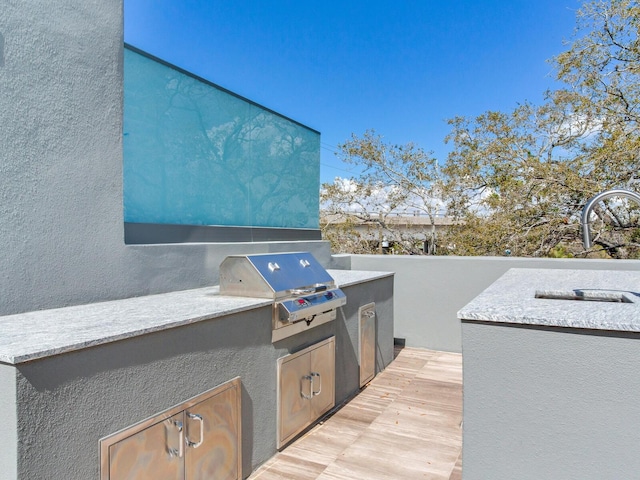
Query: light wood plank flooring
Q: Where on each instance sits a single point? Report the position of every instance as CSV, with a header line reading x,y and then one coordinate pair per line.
x,y
406,424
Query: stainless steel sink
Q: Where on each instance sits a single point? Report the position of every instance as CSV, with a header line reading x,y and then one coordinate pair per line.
x,y
612,296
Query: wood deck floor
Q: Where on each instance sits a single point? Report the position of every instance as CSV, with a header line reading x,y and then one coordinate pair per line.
x,y
404,425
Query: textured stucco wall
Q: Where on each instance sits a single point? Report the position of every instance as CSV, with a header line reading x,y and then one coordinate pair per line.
x,y
60,149
347,333
61,74
429,291
9,410
549,403
67,402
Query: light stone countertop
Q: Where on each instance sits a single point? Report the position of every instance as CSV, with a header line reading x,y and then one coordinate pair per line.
x,y
346,278
38,334
512,299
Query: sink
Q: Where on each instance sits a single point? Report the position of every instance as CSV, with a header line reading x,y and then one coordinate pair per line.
x,y
611,296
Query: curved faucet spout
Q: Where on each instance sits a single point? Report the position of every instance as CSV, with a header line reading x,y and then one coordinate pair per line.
x,y
586,211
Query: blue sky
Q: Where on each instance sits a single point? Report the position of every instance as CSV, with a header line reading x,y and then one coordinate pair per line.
x,y
402,68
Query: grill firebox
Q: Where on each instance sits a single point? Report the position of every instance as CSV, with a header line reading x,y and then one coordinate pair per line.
x,y
303,292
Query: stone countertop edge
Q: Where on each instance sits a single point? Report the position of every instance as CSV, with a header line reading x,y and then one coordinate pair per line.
x,y
43,333
346,278
512,299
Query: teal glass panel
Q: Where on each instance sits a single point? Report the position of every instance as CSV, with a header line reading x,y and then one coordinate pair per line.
x,y
195,154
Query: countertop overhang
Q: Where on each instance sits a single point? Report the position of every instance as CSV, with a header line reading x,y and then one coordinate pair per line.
x,y
43,333
512,299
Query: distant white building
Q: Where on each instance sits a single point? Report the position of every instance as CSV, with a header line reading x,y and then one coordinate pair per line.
x,y
384,231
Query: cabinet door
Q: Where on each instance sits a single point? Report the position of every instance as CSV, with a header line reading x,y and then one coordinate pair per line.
x,y
155,452
323,368
367,343
212,434
294,395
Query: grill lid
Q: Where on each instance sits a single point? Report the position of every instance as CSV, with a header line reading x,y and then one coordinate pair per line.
x,y
304,294
273,275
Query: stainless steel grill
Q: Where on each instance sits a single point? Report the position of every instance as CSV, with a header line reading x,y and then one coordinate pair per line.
x,y
304,293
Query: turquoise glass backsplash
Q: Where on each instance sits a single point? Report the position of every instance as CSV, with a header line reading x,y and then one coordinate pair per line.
x,y
195,154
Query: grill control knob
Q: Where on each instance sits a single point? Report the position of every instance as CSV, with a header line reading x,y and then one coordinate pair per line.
x,y
328,295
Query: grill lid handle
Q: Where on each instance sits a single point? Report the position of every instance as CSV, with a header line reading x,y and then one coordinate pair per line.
x,y
305,291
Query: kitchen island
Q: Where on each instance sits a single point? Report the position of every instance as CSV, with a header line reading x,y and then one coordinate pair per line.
x,y
550,361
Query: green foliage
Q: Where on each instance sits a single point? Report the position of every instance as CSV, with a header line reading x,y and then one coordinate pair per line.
x,y
522,178
560,251
395,179
517,181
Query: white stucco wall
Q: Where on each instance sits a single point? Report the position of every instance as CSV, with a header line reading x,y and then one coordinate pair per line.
x,y
429,291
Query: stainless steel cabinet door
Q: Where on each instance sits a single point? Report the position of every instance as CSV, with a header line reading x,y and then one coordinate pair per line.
x,y
294,395
200,438
155,452
306,388
212,434
323,361
367,315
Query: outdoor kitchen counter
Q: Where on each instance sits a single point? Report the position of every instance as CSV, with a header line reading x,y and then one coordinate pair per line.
x,y
512,299
39,334
550,384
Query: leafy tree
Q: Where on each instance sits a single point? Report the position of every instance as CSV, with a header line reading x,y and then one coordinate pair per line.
x,y
517,181
395,180
520,179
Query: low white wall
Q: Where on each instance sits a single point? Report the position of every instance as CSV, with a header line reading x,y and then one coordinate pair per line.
x,y
429,291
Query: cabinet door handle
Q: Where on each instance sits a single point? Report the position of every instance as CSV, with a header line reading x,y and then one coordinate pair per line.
x,y
304,395
198,418
180,450
313,392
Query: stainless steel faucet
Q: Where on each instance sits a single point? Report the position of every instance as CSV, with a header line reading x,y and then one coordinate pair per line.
x,y
586,211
